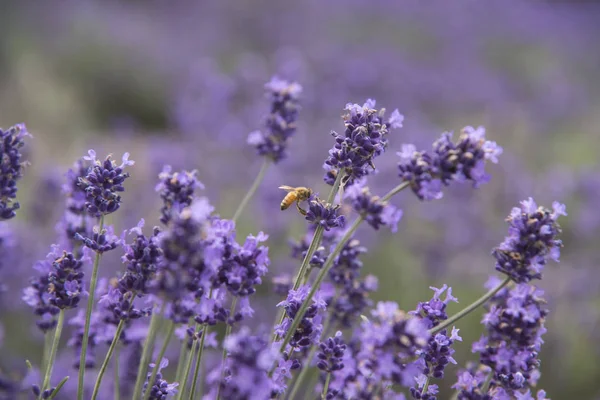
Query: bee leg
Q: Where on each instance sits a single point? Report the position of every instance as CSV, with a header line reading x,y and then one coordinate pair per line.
x,y
300,209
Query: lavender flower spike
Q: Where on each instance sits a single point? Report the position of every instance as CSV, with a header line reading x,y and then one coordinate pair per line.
x,y
462,161
102,183
11,168
280,124
176,189
375,211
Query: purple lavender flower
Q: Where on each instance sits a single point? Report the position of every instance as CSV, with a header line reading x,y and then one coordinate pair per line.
x,y
249,359
531,242
448,162
280,124
176,189
100,241
141,259
365,138
102,183
331,353
65,281
375,211
325,215
160,389
434,311
11,167
37,294
515,325
282,284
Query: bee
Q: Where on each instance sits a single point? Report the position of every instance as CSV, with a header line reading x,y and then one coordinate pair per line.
x,y
295,194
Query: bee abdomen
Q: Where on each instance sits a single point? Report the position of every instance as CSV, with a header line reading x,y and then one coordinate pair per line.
x,y
288,200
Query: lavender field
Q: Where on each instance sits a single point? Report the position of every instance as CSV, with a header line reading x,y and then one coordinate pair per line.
x,y
443,244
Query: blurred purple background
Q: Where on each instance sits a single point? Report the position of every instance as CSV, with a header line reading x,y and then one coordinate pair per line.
x,y
181,83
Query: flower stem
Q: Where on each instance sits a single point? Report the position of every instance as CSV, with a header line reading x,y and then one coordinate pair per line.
x,y
486,383
314,245
188,366
227,333
58,387
109,354
326,386
117,377
257,181
322,274
53,350
198,358
47,347
470,308
325,270
88,318
181,361
425,386
161,354
147,352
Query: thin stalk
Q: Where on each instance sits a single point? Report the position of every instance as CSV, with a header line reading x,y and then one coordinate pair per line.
x,y
117,377
257,181
227,333
147,352
161,354
188,366
486,384
470,308
425,386
53,350
322,274
313,246
198,358
47,347
311,354
58,387
326,387
181,360
325,270
88,318
109,354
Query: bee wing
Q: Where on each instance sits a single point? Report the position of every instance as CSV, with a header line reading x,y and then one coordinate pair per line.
x,y
287,188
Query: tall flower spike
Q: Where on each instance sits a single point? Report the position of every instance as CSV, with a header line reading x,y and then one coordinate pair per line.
x,y
280,124
66,281
102,183
176,189
462,161
532,240
160,389
364,138
11,168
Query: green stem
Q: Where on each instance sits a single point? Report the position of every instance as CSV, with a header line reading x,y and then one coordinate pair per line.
x,y
117,377
326,387
313,246
198,358
147,352
257,181
158,360
53,350
325,270
227,333
109,354
47,347
470,308
88,318
188,367
58,387
425,386
322,274
181,360
486,384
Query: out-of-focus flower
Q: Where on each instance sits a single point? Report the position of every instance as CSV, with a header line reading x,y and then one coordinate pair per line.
x,y
160,389
102,183
280,124
375,211
11,168
364,138
532,240
447,162
331,353
176,189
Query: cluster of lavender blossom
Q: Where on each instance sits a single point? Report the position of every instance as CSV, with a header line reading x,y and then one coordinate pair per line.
x,y
190,280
